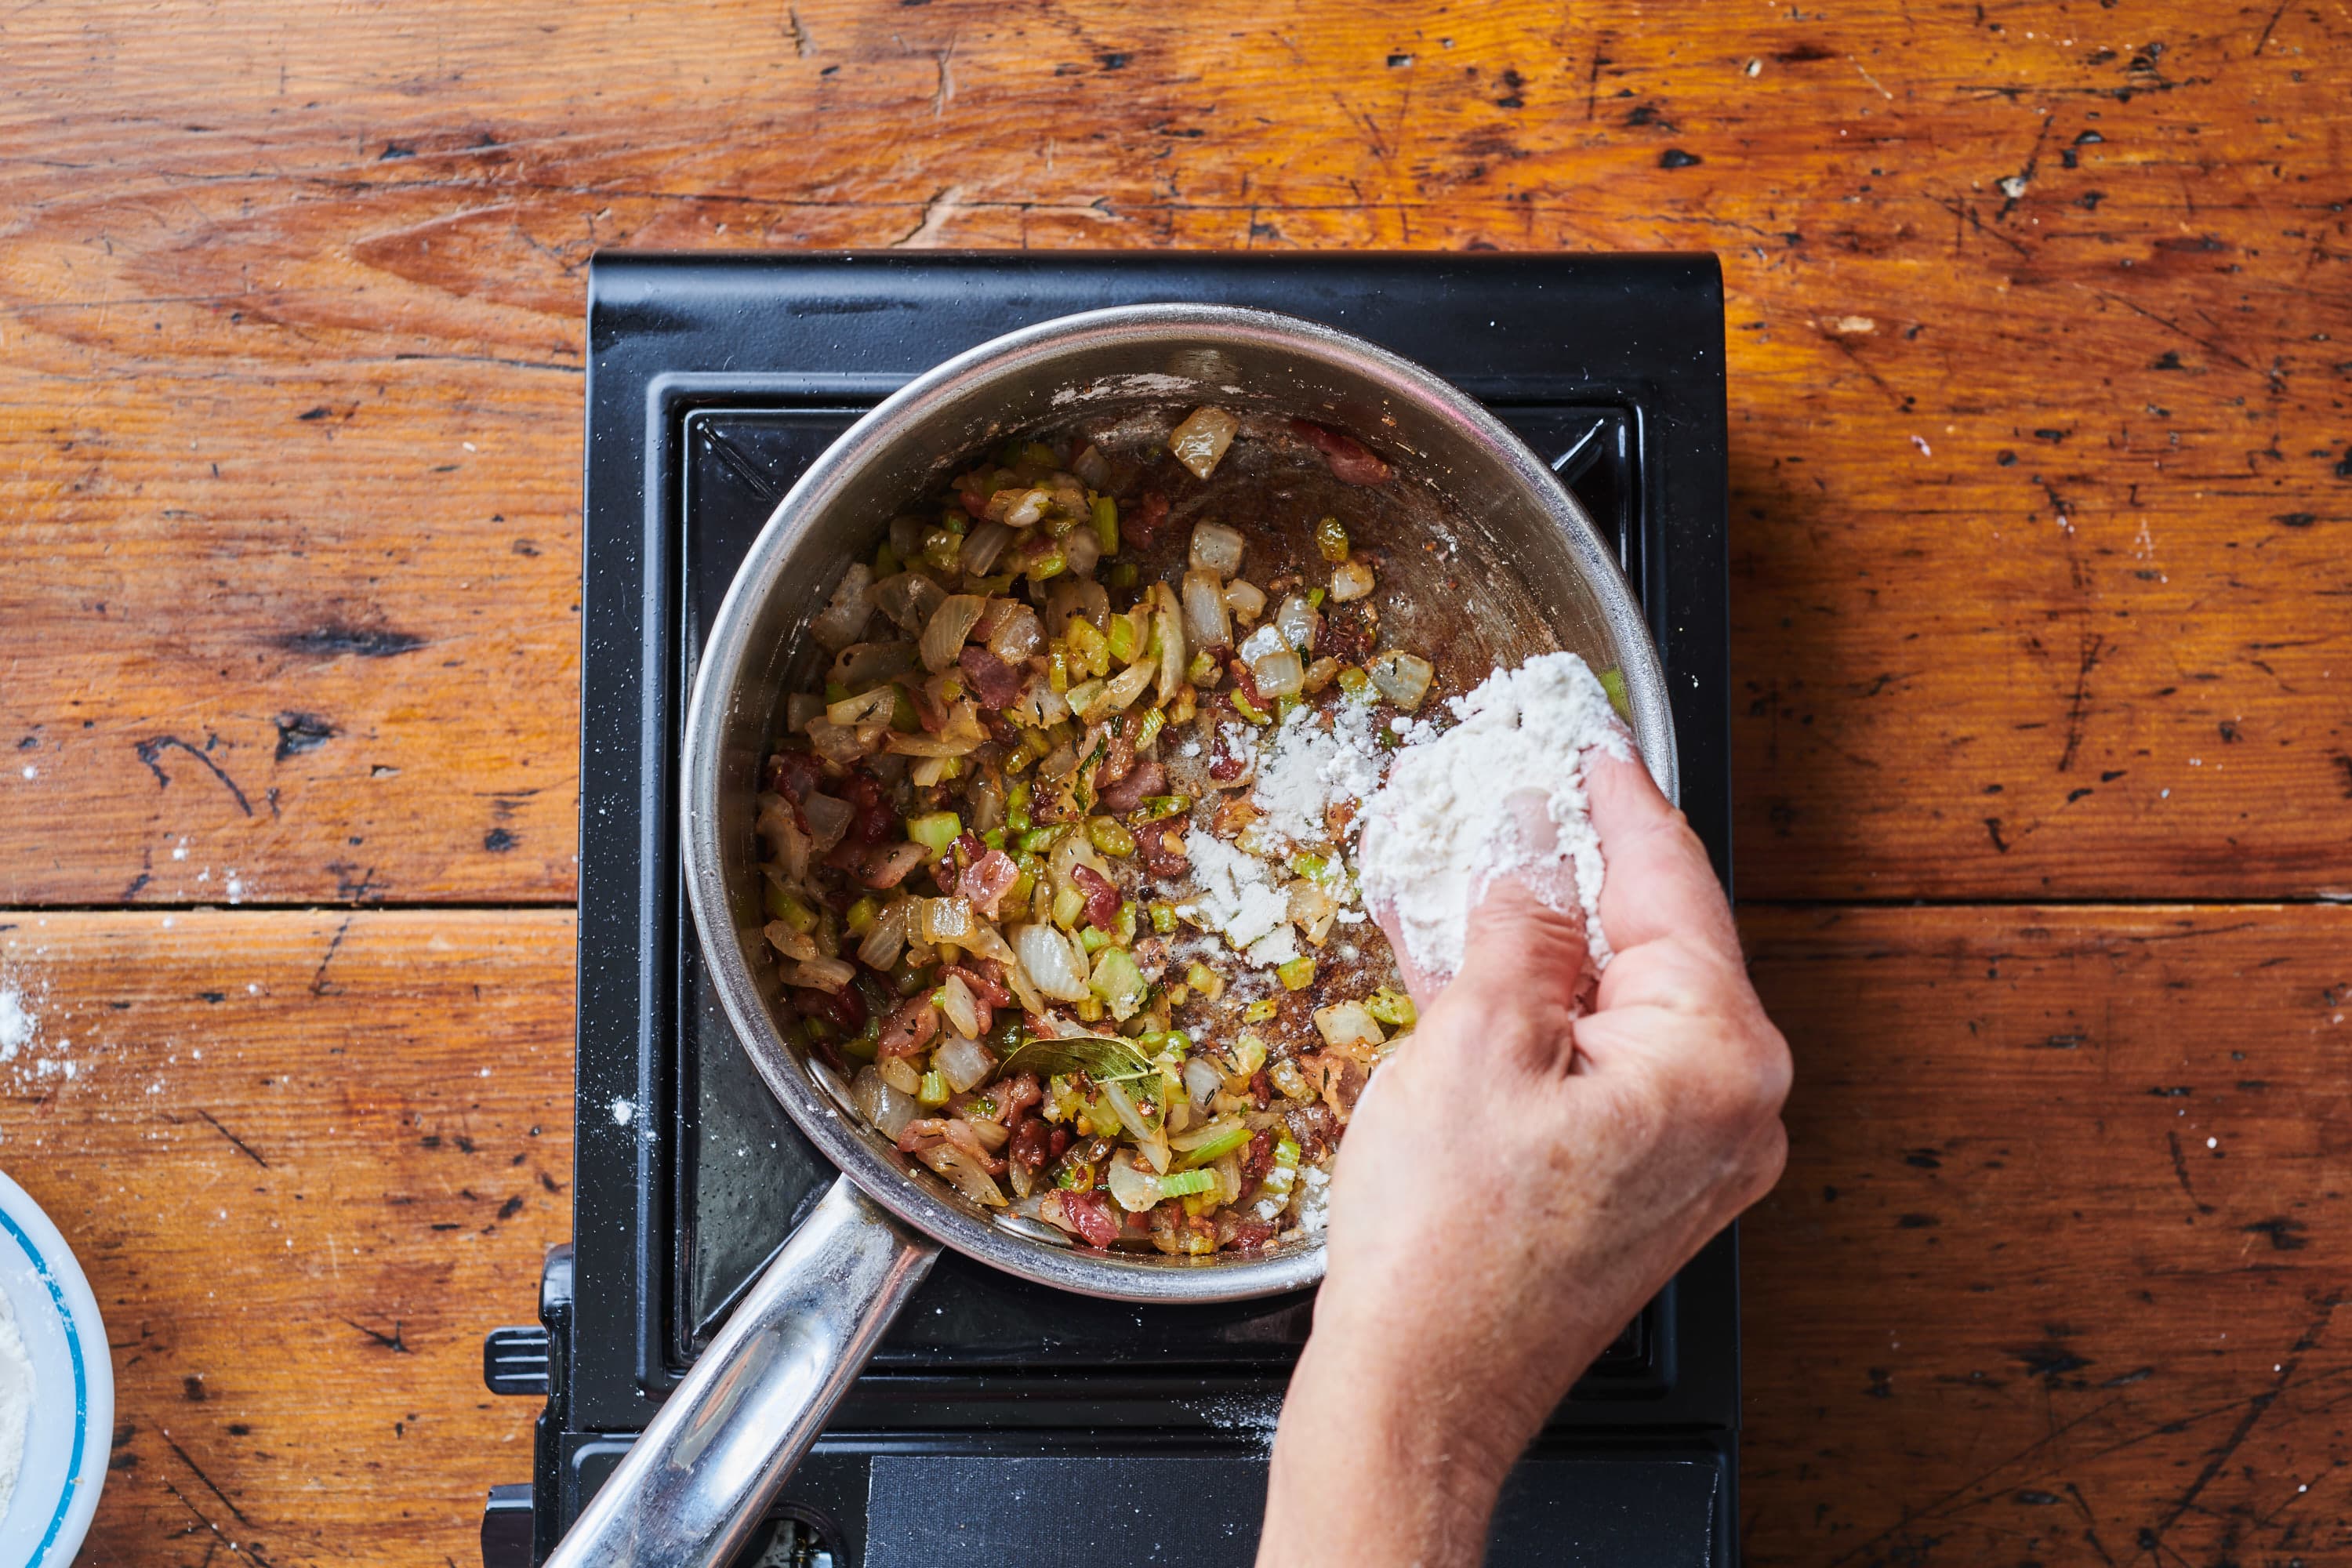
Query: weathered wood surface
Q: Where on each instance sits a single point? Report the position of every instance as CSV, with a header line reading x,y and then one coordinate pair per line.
x,y
2055,1271
305,1160
2042,466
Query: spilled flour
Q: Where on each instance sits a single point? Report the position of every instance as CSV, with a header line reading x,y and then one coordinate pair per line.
x,y
1440,829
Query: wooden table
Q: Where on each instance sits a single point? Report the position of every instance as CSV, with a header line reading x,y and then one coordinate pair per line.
x,y
2041,352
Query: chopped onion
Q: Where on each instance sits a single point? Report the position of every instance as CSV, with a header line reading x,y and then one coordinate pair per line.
x,y
985,943
869,663
1023,1184
945,920
982,545
1205,624
899,1073
1229,1178
873,707
887,938
1076,596
962,734
1346,1024
950,624
1133,1188
788,942
1297,621
1216,550
1016,635
789,846
827,816
1081,550
879,1103
1245,599
845,613
1403,678
1092,466
963,1168
1018,507
1125,688
819,973
908,598
907,536
844,743
1200,442
991,1136
962,1010
964,1062
1313,909
1350,580
1200,1081
1150,1137
1054,967
1278,673
1267,640
1167,620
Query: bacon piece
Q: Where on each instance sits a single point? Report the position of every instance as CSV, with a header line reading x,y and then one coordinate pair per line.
x,y
1352,463
985,987
1144,520
1261,1087
793,775
959,1134
997,683
1317,1130
1246,681
1249,1235
1144,779
887,866
876,823
1102,899
845,1008
929,712
912,1026
986,880
1224,763
1032,1142
1162,850
1259,1158
1090,1214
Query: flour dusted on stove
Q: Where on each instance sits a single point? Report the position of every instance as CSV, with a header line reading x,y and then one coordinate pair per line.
x,y
1440,829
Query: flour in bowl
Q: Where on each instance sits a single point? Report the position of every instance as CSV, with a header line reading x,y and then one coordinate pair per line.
x,y
1440,829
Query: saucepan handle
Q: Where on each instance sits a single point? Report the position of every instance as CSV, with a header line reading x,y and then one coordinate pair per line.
x,y
697,1483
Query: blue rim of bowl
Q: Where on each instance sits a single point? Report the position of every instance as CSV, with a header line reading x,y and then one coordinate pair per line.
x,y
81,1390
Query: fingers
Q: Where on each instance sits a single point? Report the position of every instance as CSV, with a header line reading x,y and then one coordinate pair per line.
x,y
1658,882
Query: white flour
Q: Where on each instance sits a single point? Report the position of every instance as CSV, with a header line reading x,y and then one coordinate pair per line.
x,y
1238,896
1441,829
16,1401
1308,767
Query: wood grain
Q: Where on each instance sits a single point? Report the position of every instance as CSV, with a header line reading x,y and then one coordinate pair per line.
x,y
2042,453
306,1161
2055,1271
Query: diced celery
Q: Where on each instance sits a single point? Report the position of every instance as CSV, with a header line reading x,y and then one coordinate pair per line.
x,y
1119,981
1123,575
1107,835
1089,1010
1068,905
1296,975
885,562
941,548
1259,1011
1148,730
1283,707
1249,710
934,1090
1356,683
1315,598
994,837
1127,918
789,907
935,830
834,691
1057,666
1391,1007
1177,1183
1285,1152
862,914
1038,840
1310,867
1163,917
1050,564
1331,539
861,1046
1122,641
1203,671
1093,938
1612,681
1215,1148
1106,513
1088,647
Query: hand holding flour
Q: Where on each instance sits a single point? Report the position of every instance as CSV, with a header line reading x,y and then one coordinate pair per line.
x,y
1518,1180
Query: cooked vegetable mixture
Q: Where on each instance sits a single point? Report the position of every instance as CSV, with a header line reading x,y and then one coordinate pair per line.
x,y
1057,860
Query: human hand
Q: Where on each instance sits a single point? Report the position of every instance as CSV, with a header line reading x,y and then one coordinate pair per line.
x,y
1515,1183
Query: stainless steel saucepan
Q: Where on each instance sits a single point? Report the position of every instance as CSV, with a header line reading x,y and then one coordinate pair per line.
x,y
1509,566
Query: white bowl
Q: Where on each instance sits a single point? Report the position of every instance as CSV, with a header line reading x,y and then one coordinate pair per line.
x,y
71,1425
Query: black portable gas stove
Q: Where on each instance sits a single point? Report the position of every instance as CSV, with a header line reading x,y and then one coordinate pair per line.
x,y
1002,1422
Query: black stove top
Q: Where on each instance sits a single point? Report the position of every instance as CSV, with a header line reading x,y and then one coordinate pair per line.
x,y
713,382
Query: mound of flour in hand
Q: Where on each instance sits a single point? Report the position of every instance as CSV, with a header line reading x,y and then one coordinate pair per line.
x,y
1442,828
